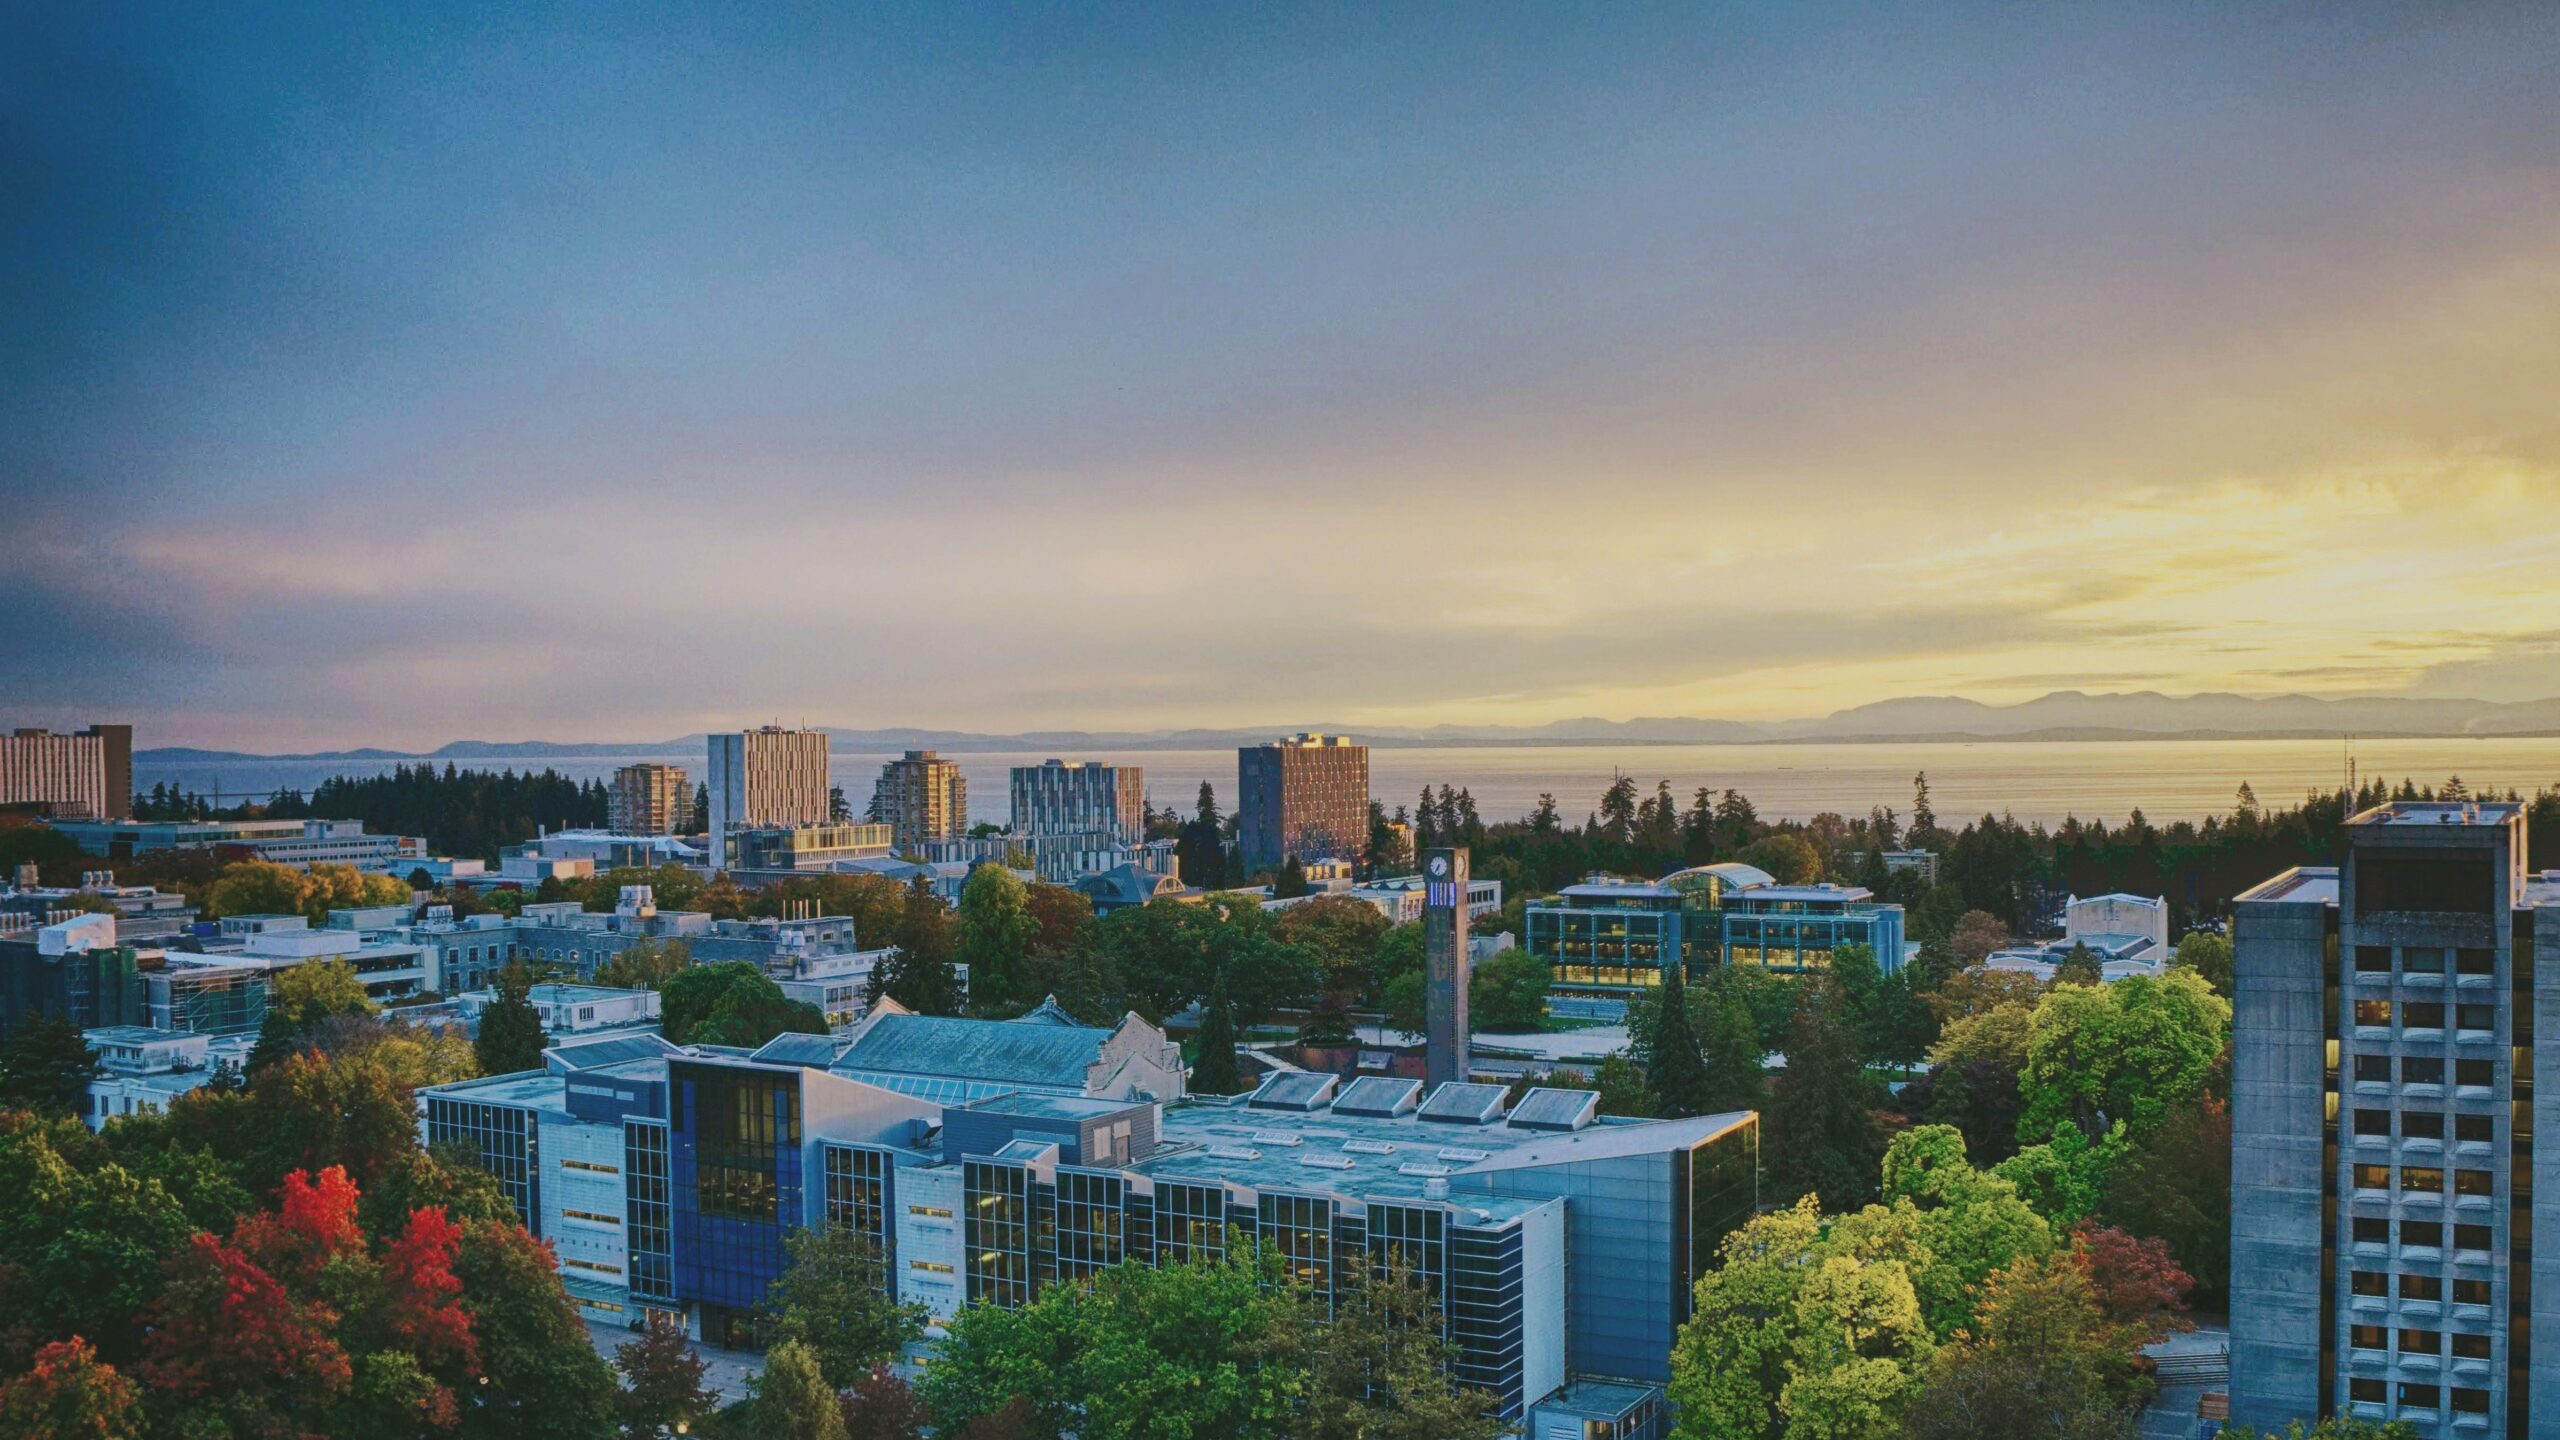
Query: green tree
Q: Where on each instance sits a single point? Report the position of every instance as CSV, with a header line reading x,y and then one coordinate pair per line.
x,y
1211,1347
645,965
2209,955
2336,1427
835,1296
1732,1359
543,1377
792,1398
2079,967
314,990
1379,1369
995,933
511,1038
1509,992
46,1066
920,976
732,1003
1669,1048
1215,1072
2036,1364
1821,1109
2130,1051
1729,1046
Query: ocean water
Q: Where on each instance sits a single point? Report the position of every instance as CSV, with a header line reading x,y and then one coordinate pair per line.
x,y
2034,781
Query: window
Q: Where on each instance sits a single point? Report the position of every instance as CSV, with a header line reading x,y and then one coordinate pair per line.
x,y
591,1165
592,1218
2373,1012
2369,1282
591,1265
2373,1177
2367,1391
2422,960
2373,1122
2373,959
930,1267
2421,1342
2469,1347
2391,879
2421,1287
936,1212
2422,1125
2414,1396
2469,961
2475,1072
2421,1233
2366,1337
2419,1179
2422,1015
2373,1068
2475,1017
2470,1292
2421,1070
2470,1402
2372,1230
2475,1128
2471,1237
2474,1182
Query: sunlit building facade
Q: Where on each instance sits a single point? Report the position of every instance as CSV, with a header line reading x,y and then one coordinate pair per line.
x,y
1304,798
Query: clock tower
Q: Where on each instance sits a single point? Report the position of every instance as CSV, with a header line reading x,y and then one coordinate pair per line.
x,y
1444,966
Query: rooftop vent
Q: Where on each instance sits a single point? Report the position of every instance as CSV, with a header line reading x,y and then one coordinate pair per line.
x,y
1554,1108
1458,1103
1326,1162
1233,1152
1276,1137
1421,1167
1299,1090
1379,1096
1368,1147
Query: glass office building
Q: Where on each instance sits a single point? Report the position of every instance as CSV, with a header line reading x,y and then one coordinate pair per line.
x,y
1797,927
1609,934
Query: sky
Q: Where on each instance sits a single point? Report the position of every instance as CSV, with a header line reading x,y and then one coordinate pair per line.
x,y
395,375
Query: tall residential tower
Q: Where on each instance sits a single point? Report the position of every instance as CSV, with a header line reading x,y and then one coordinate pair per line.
x,y
2385,1096
1304,798
765,777
85,776
1059,797
921,797
649,799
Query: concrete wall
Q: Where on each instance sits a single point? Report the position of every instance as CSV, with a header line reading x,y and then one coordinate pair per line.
x,y
2277,1103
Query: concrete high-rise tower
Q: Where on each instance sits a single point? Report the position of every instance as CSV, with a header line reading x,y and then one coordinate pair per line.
x,y
765,777
1444,967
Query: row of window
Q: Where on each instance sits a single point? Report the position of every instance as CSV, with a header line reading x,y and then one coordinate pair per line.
x,y
2425,960
2419,1342
2425,1070
2426,1180
2422,1234
2376,1284
2427,1015
2365,1390
2425,1125
591,1217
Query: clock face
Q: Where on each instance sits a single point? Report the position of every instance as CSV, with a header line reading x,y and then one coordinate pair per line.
x,y
1439,864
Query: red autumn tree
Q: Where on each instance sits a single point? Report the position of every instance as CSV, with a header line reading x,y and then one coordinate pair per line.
x,y
426,1297
226,1337
2133,1279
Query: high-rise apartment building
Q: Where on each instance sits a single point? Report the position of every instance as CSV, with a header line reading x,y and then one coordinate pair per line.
x,y
921,797
2385,1095
1305,797
765,777
1058,797
82,776
649,799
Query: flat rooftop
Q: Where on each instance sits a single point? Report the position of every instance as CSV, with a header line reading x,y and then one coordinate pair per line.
x,y
2302,885
1390,1157
2440,812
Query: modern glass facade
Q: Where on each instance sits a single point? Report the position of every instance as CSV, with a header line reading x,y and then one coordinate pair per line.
x,y
735,1171
1797,927
1614,937
1093,1216
647,1208
998,1231
505,1141
857,1182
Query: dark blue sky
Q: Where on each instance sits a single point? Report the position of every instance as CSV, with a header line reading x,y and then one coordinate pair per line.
x,y
382,376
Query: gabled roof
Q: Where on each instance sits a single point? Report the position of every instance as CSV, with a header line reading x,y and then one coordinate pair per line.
x,y
1047,1012
1038,1053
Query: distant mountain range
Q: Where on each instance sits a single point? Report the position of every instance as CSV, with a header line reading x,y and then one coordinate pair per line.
x,y
2063,715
